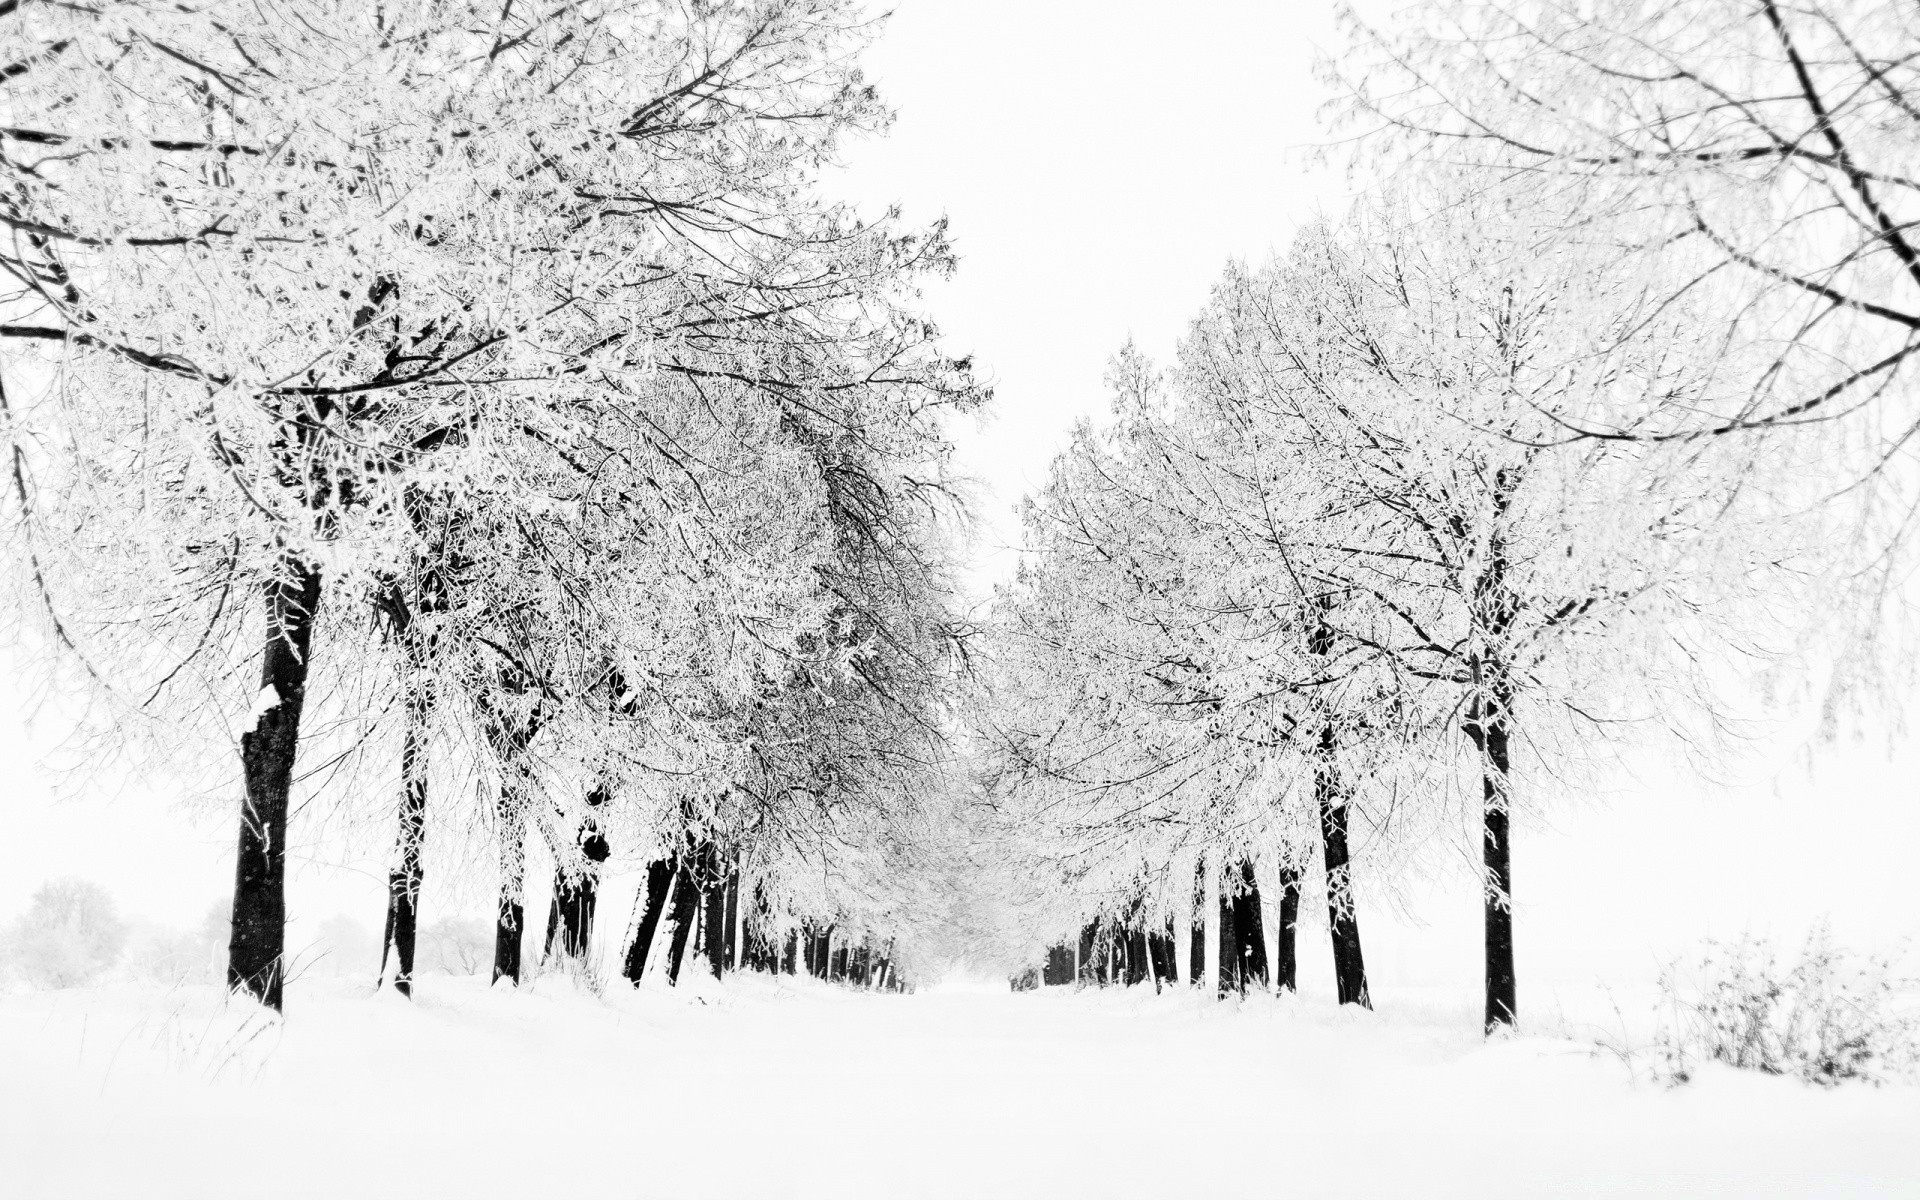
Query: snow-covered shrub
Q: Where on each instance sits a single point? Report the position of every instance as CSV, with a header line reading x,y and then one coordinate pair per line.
x,y
1829,1017
67,937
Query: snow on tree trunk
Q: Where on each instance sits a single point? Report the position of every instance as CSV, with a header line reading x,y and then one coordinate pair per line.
x,y
509,912
1250,965
256,947
733,919
654,900
1343,920
1211,981
1502,1006
576,894
1284,934
403,882
1182,949
686,903
714,923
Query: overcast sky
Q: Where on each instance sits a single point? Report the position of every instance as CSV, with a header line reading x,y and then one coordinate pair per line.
x,y
1100,163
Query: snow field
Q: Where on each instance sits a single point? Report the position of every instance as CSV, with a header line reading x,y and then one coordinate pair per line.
x,y
789,1089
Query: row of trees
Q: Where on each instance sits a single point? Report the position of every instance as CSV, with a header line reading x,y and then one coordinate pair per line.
x,y
476,415
1600,390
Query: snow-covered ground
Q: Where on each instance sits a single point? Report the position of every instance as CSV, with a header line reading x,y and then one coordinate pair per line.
x,y
794,1089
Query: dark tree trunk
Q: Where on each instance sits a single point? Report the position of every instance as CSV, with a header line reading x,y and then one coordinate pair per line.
x,y
1284,971
732,949
1160,953
258,942
570,919
822,950
1349,968
1059,971
1249,931
714,921
1137,956
1502,998
1088,972
403,882
686,904
509,914
837,965
791,965
659,885
1229,940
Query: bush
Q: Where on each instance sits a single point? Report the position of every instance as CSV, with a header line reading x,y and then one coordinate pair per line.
x,y
69,936
1829,1017
457,946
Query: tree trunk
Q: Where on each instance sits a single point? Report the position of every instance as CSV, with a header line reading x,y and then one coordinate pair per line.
x,y
820,946
686,902
1349,968
1137,956
1284,970
1249,934
257,945
714,923
1502,998
1059,970
1210,979
570,919
659,886
1181,952
733,919
1161,956
403,882
509,914
1229,942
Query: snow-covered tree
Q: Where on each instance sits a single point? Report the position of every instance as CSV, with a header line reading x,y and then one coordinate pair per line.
x,y
519,328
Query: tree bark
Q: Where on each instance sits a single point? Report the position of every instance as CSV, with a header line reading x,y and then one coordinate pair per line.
x,y
714,922
509,913
1229,943
1161,955
659,886
733,918
1343,919
1496,783
1059,970
1250,938
686,903
1138,956
403,882
575,897
1210,978
1284,971
256,948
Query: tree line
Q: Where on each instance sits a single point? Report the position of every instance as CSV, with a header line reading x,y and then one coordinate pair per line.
x,y
476,413
1598,395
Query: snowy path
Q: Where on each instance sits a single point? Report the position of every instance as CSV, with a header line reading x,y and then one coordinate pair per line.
x,y
784,1091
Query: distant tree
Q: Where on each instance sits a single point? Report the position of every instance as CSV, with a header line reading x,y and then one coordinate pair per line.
x,y
68,936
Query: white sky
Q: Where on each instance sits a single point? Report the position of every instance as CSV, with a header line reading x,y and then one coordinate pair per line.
x,y
1100,163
